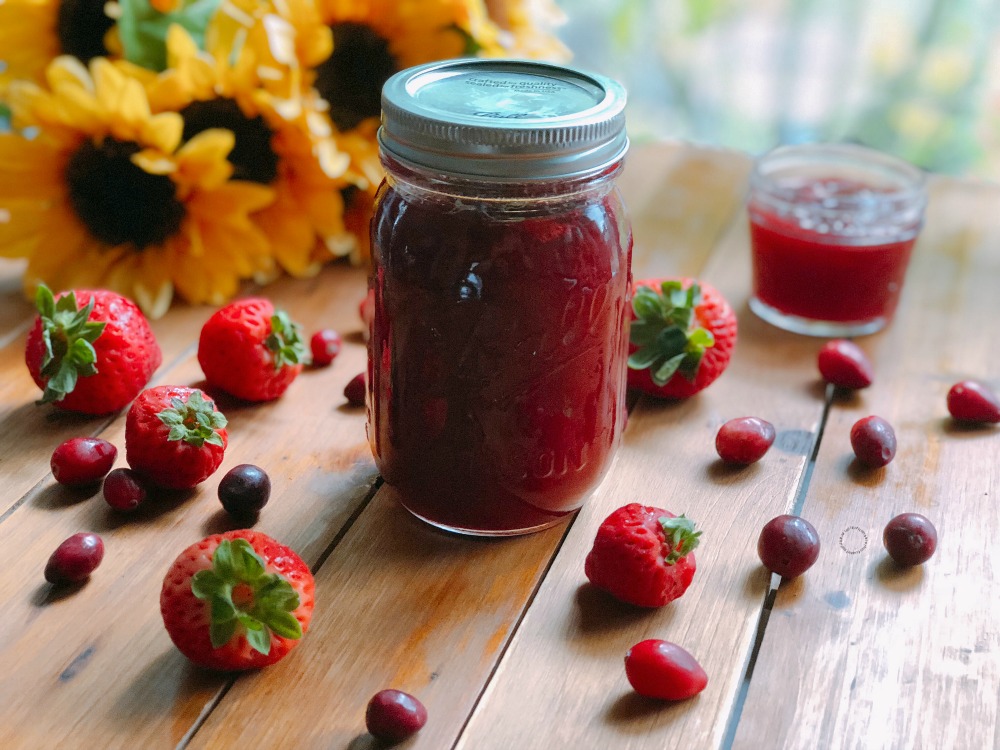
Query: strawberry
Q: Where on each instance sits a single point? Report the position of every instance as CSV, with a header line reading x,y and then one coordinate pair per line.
x,y
90,351
174,436
238,600
643,555
251,350
683,333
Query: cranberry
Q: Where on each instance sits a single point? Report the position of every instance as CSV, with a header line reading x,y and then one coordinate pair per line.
x,y
744,440
910,539
244,490
873,441
970,401
124,490
788,546
75,559
354,392
664,670
82,460
393,715
842,363
325,346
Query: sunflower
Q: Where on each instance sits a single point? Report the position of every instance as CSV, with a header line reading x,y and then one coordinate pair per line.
x,y
103,196
281,141
527,28
34,32
372,39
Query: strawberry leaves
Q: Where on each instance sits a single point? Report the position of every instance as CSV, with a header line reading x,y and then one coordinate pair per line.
x,y
665,332
680,537
68,335
244,597
195,421
285,341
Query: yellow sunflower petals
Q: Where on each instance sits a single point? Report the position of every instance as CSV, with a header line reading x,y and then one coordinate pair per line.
x,y
153,161
31,170
180,44
164,131
203,158
68,70
21,225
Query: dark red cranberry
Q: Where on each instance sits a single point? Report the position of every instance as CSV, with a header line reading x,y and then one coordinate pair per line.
x,y
788,546
973,402
910,539
244,490
82,460
842,363
124,490
873,441
393,715
325,346
354,392
744,440
75,559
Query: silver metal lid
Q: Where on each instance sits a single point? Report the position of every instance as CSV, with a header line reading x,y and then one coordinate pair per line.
x,y
504,119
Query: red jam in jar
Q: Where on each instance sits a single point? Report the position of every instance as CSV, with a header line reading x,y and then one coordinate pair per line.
x,y
831,231
501,276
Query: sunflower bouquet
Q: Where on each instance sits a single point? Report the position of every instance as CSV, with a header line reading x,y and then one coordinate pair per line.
x,y
177,148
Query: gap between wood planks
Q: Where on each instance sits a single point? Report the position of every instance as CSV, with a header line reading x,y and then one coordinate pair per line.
x,y
217,698
765,612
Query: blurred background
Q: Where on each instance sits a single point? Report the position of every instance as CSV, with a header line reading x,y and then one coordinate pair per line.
x,y
917,78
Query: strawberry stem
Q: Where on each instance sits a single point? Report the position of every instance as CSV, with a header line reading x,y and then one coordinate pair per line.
x,y
264,605
680,537
195,421
665,333
68,335
285,341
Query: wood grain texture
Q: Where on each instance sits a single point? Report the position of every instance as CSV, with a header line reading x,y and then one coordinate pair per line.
x,y
93,667
570,631
858,652
563,676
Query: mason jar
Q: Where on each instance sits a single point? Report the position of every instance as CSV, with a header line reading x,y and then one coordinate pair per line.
x,y
501,281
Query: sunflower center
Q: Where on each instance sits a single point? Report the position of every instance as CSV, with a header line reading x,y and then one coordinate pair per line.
x,y
252,156
81,26
118,201
351,78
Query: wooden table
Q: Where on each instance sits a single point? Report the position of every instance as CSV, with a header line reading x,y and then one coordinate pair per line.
x,y
504,641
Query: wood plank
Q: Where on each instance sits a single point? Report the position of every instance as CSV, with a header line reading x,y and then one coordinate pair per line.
x,y
32,432
563,676
15,312
859,653
362,650
94,667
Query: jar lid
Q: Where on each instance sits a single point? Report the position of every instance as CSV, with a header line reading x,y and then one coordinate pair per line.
x,y
504,119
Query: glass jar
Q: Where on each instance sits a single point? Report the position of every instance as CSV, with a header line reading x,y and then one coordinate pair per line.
x,y
501,276
831,230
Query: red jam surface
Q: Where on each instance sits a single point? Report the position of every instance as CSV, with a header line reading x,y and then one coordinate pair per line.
x,y
497,358
843,268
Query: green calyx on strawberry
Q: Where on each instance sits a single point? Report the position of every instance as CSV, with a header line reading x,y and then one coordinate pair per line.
x,y
68,337
285,341
242,594
666,333
195,421
680,535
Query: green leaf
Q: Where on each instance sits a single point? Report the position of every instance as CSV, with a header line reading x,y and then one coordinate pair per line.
x,y
143,30
661,376
223,608
285,341
247,564
195,422
646,306
222,632
285,624
644,332
681,537
702,338
260,640
68,335
643,358
206,583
